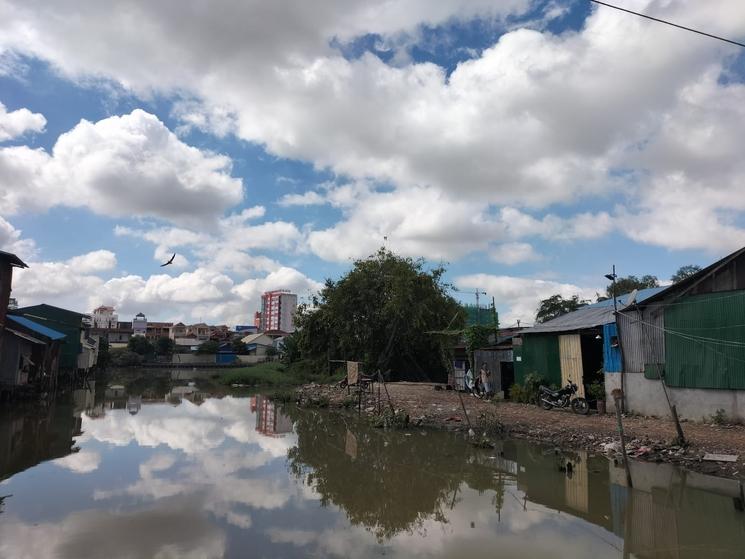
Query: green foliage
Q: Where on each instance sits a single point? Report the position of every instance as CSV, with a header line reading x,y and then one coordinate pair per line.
x,y
685,272
315,402
528,392
122,357
164,346
239,347
271,351
389,419
210,346
140,345
281,395
476,337
273,374
104,354
596,391
719,417
290,348
383,313
629,283
556,306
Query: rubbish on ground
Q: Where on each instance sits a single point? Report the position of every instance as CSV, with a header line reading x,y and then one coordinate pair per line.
x,y
720,457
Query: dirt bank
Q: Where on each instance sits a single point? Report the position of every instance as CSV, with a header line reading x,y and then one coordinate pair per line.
x,y
647,438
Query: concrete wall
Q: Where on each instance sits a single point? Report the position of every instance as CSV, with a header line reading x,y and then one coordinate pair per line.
x,y
252,359
192,358
646,397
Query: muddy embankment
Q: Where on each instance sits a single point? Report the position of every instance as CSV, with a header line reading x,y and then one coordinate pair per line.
x,y
647,438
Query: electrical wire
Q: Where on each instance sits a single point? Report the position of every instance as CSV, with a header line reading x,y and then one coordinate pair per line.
x,y
706,344
730,41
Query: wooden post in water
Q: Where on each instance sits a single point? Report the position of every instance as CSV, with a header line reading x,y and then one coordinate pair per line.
x,y
617,397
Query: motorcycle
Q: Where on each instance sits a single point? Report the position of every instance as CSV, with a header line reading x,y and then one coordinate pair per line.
x,y
563,398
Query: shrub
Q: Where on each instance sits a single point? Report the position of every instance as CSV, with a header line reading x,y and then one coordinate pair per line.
x,y
596,391
125,358
527,392
719,417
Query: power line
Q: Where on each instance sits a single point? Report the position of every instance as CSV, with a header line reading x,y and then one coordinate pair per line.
x,y
669,23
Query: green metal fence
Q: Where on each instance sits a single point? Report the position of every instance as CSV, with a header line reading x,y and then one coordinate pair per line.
x,y
539,353
705,341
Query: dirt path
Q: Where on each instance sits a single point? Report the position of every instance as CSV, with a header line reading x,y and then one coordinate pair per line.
x,y
647,438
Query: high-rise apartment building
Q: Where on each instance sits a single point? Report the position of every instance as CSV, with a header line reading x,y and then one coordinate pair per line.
x,y
278,310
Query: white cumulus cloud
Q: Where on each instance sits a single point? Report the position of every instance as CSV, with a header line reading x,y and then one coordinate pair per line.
x,y
17,123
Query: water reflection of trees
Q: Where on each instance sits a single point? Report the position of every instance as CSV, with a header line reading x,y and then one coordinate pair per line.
x,y
388,482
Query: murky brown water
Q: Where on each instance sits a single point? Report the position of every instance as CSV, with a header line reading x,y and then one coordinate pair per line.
x,y
162,469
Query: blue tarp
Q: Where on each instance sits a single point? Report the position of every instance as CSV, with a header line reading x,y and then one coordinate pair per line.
x,y
36,327
611,349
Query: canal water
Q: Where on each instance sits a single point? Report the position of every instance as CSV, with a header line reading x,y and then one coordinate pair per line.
x,y
166,469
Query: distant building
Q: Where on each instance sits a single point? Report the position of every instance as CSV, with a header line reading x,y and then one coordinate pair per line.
x,y
178,330
12,304
246,329
105,317
278,311
257,320
139,325
200,331
155,330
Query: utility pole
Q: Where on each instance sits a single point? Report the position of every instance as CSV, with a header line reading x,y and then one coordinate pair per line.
x,y
478,309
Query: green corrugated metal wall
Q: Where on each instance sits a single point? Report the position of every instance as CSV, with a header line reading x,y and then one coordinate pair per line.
x,y
64,321
539,353
701,337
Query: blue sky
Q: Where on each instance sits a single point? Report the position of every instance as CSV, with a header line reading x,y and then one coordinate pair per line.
x,y
530,145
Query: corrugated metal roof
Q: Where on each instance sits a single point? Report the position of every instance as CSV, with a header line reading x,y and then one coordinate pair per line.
x,y
36,327
12,259
24,336
590,316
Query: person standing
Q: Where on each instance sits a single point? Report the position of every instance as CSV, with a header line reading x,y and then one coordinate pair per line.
x,y
485,375
470,381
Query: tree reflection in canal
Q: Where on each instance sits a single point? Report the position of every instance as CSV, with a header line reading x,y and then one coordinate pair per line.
x,y
190,475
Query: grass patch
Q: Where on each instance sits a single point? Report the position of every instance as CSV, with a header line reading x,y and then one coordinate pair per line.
x,y
273,374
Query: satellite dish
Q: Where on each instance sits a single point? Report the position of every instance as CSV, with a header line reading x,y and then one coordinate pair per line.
x,y
632,298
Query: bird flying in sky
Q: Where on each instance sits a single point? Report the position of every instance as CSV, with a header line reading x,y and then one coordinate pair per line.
x,y
170,261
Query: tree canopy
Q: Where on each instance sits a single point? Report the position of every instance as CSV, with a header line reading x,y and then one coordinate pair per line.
x,y
556,305
383,312
140,345
685,272
629,283
164,346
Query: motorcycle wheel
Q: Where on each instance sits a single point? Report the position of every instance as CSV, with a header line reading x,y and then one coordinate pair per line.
x,y
580,406
545,405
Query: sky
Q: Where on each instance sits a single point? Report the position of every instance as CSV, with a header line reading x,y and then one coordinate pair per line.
x,y
527,145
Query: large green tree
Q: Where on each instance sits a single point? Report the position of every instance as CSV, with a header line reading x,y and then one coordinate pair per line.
x,y
385,313
141,345
685,272
629,283
164,346
556,305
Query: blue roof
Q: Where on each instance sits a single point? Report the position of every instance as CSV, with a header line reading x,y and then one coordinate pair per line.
x,y
36,327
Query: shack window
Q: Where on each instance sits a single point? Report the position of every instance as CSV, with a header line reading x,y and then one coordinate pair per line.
x,y
614,341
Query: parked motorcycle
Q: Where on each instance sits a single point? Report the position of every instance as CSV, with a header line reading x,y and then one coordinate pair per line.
x,y
566,397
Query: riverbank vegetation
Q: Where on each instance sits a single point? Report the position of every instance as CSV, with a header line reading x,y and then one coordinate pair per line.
x,y
274,373
388,312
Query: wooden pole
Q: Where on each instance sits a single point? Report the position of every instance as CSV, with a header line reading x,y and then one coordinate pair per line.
x,y
387,395
462,405
617,397
678,428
